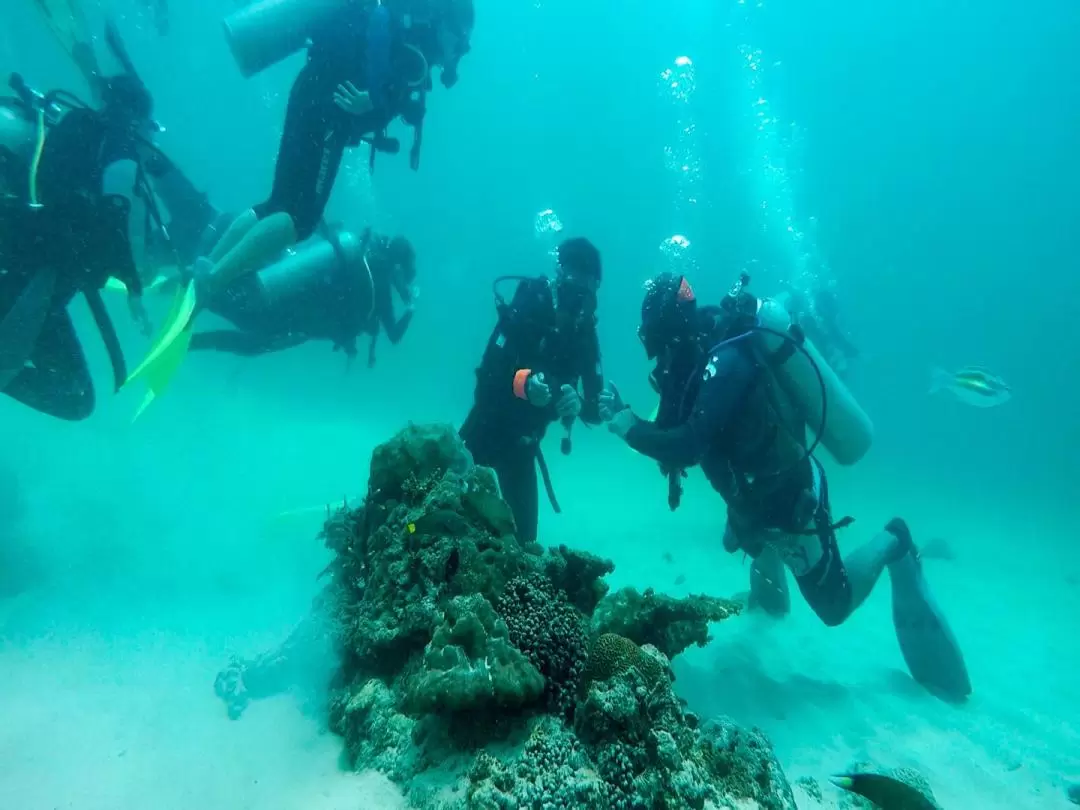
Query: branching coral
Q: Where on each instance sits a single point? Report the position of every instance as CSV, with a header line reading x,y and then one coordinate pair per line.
x,y
668,623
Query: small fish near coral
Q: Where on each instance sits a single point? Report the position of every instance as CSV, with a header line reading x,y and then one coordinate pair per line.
x,y
972,385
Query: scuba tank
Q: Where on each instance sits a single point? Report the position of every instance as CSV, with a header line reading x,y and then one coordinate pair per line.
x,y
330,252
840,424
266,32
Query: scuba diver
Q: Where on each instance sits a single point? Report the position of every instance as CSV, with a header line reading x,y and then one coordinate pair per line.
x,y
818,313
334,287
741,388
544,343
74,203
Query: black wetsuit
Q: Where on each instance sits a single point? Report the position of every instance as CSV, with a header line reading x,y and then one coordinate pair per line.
x,y
330,304
708,437
82,235
503,431
354,46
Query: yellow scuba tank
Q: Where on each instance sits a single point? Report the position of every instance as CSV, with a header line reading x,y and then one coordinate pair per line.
x,y
825,402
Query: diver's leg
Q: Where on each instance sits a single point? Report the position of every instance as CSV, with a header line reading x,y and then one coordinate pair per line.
x,y
306,164
233,234
263,243
57,381
334,140
835,587
768,583
866,563
526,505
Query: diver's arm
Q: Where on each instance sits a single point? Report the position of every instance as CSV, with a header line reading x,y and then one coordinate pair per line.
x,y
720,395
394,327
592,383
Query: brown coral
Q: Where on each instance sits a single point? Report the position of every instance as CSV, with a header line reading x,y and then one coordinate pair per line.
x,y
613,655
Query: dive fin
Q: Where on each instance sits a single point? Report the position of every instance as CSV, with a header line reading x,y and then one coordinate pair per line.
x,y
927,642
160,374
170,348
21,326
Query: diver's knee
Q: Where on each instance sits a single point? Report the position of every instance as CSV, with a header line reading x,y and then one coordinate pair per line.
x,y
833,605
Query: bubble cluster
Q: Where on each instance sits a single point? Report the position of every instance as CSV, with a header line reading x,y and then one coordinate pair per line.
x,y
677,256
771,164
682,156
547,226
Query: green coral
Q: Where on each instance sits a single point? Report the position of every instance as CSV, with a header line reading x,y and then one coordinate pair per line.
x,y
668,623
743,765
553,772
417,457
376,735
471,665
579,575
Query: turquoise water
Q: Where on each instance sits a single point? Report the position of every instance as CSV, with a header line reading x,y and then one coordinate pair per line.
x,y
920,158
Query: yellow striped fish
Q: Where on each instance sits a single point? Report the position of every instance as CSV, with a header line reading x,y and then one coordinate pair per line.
x,y
972,385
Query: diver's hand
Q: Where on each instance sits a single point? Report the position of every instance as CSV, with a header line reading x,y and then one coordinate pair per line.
x,y
610,403
138,314
537,391
569,405
621,422
351,100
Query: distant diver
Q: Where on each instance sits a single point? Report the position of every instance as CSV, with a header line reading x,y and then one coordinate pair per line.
x,y
818,315
740,389
543,346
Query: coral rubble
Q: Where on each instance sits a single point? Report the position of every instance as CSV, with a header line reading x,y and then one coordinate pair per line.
x,y
509,670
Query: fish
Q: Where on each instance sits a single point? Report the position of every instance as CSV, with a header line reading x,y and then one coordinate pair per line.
x,y
901,789
972,385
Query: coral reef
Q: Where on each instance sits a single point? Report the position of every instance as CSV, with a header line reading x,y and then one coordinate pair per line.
x,y
508,671
669,624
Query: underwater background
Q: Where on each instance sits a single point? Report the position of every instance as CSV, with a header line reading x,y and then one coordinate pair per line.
x,y
921,156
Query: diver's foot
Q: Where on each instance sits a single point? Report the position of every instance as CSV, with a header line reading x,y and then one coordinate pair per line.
x,y
898,528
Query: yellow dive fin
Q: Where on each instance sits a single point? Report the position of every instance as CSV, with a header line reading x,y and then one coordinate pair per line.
x,y
169,349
